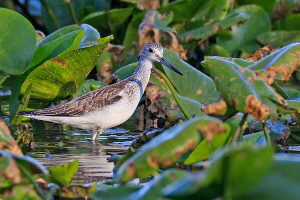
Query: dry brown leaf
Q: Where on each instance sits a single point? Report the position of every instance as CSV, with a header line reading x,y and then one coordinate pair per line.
x,y
156,107
256,108
271,72
260,53
105,72
148,33
117,51
282,9
211,130
148,4
42,183
12,172
9,145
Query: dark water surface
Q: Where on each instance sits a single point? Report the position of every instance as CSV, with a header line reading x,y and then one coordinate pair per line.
x,y
56,144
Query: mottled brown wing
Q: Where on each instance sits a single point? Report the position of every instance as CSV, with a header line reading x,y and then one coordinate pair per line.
x,y
88,102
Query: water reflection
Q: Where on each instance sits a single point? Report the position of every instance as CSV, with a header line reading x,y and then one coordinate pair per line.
x,y
57,144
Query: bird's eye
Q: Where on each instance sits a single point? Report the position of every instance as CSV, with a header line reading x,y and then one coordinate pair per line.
x,y
150,50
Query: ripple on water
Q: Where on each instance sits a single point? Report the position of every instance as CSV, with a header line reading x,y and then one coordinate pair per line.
x,y
57,144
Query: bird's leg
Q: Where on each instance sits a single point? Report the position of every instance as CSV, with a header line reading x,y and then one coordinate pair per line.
x,y
96,134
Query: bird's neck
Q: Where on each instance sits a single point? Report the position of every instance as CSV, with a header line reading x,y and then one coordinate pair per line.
x,y
143,71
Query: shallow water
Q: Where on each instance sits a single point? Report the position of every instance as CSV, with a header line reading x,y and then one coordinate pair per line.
x,y
56,144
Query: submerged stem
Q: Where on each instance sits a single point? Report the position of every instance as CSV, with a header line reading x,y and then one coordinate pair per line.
x,y
174,93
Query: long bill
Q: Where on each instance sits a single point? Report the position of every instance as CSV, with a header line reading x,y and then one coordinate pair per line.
x,y
169,65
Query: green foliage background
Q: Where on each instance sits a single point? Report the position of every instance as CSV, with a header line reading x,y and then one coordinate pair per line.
x,y
46,57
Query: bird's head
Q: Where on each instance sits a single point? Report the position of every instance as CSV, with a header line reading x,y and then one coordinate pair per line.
x,y
154,53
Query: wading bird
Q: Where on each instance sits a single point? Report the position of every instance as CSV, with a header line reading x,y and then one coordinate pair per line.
x,y
108,106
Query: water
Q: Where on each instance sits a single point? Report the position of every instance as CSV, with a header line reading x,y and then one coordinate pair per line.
x,y
56,144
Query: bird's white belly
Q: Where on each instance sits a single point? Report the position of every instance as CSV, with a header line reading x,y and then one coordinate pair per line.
x,y
112,115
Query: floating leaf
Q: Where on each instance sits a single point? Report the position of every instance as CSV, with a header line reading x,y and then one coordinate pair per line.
x,y
216,50
61,77
278,39
21,191
281,182
59,33
164,150
213,28
17,41
267,5
279,64
238,61
201,87
291,19
53,48
62,174
197,13
242,89
126,71
149,190
110,20
223,177
244,36
293,93
117,193
207,147
76,191
295,104
89,85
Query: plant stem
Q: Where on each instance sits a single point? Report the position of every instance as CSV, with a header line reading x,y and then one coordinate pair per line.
x,y
280,90
72,11
238,135
174,93
3,79
295,137
266,133
29,176
51,14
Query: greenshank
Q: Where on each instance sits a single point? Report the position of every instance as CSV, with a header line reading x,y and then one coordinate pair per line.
x,y
108,106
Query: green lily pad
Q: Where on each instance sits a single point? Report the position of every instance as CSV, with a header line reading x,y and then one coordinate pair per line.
x,y
206,147
211,29
201,87
17,42
110,20
281,182
279,64
61,77
62,174
293,93
278,39
165,149
244,35
89,85
242,90
290,22
197,12
223,178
